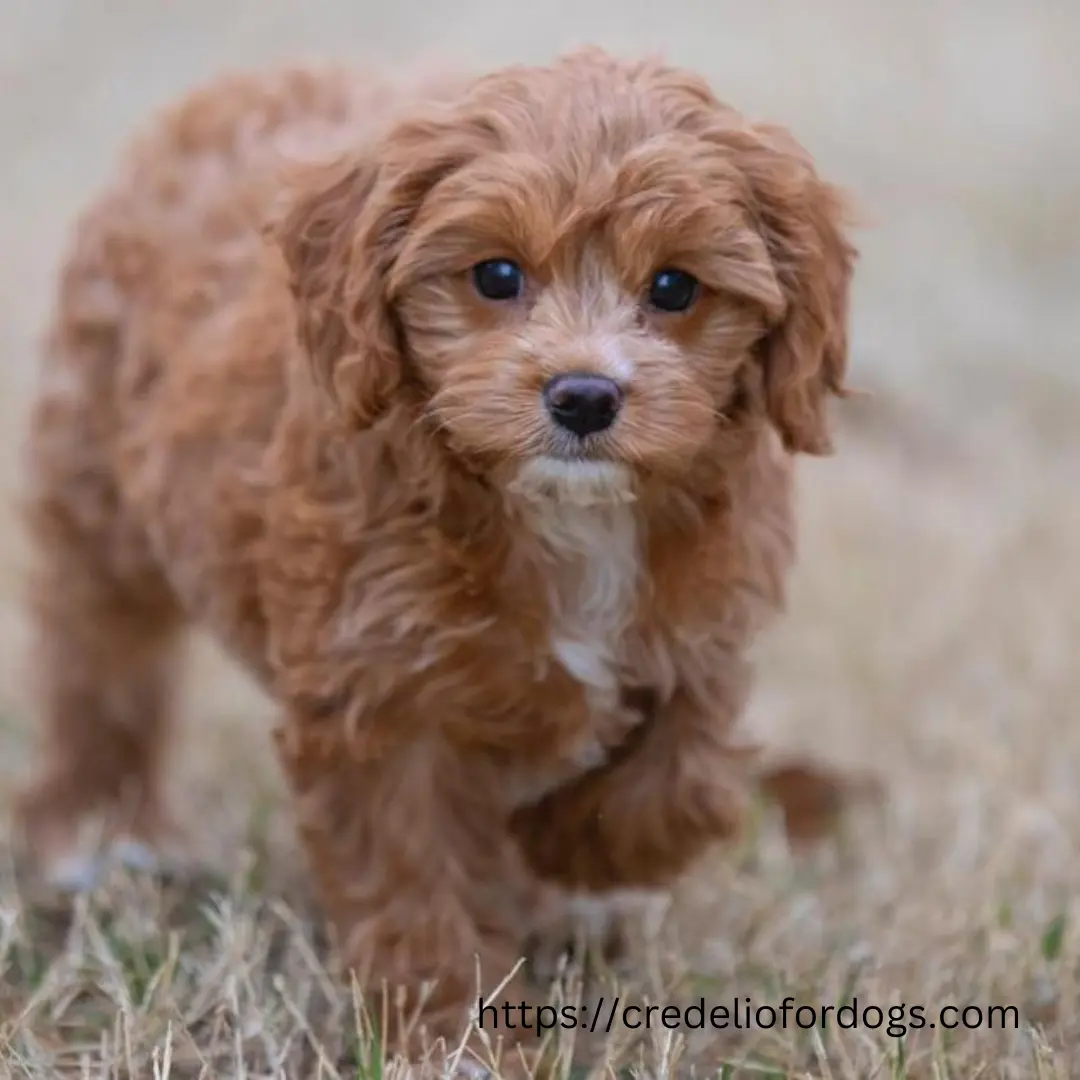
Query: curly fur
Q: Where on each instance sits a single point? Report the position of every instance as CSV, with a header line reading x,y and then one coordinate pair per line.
x,y
273,404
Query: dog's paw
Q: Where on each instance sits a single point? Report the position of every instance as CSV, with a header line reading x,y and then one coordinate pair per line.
x,y
80,871
594,934
62,846
58,855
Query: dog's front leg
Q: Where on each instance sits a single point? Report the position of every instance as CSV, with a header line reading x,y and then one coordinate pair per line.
x,y
421,884
674,788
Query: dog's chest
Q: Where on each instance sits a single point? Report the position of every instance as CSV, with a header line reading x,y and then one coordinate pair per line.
x,y
593,576
592,572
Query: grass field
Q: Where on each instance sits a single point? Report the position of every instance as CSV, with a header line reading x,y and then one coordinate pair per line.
x,y
935,618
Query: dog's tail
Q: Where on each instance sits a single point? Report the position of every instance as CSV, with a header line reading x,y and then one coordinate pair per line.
x,y
813,799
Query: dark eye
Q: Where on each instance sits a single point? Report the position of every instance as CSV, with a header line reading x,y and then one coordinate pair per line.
x,y
499,279
672,290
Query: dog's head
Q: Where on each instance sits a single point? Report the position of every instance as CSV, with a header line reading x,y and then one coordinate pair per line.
x,y
582,272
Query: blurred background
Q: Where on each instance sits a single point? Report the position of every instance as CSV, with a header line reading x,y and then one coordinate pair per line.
x,y
933,632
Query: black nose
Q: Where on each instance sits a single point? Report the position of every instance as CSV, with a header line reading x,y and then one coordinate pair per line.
x,y
583,404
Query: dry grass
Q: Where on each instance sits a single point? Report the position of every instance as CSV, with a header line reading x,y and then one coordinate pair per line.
x,y
935,614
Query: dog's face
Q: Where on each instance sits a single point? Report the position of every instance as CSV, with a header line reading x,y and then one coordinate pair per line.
x,y
581,273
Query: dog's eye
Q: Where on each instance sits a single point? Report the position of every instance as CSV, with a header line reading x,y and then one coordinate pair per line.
x,y
499,279
673,290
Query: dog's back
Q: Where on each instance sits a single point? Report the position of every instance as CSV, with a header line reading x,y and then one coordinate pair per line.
x,y
178,230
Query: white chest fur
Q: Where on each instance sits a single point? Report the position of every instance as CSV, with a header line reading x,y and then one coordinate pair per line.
x,y
586,523
596,566
583,517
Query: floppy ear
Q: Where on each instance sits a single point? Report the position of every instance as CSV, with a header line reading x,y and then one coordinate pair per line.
x,y
341,239
801,218
336,264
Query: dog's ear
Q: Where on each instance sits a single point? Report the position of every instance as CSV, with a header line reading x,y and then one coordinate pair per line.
x,y
341,238
336,268
802,219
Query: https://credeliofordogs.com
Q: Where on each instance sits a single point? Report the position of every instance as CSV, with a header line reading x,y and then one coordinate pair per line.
x,y
607,1014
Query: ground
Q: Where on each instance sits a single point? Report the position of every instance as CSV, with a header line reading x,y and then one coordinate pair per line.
x,y
934,616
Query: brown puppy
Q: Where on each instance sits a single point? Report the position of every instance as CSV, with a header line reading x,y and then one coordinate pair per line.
x,y
478,458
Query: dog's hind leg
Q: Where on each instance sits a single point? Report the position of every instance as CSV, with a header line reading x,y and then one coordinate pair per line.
x,y
106,629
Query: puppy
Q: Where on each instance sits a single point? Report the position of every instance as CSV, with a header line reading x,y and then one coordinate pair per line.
x,y
470,436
